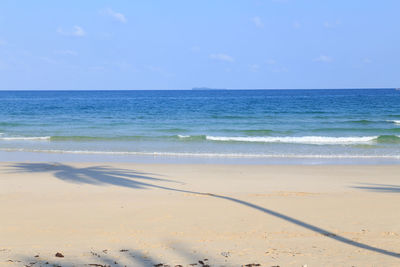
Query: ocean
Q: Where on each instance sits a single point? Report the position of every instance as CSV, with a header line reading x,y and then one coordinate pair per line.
x,y
242,124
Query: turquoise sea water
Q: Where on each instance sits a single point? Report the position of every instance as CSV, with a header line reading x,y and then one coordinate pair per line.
x,y
215,123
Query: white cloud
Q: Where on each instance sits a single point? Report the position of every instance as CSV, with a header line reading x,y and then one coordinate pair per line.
x,y
66,52
115,15
323,58
258,22
222,57
77,31
271,61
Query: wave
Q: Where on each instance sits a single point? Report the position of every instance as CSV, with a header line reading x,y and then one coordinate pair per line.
x,y
173,130
258,132
105,138
204,155
11,124
70,138
94,138
125,138
372,121
32,138
102,138
316,140
192,137
362,121
388,139
394,121
369,129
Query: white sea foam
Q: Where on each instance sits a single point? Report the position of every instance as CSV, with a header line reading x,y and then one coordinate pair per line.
x,y
396,121
205,155
317,140
25,138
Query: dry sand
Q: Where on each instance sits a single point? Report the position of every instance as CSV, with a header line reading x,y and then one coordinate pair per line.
x,y
143,215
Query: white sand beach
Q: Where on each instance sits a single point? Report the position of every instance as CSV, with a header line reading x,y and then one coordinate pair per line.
x,y
218,215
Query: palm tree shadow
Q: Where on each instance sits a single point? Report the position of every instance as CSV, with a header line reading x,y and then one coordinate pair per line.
x,y
101,175
382,188
108,258
94,175
99,259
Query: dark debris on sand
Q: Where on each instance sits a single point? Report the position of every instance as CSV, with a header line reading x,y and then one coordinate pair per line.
x,y
202,263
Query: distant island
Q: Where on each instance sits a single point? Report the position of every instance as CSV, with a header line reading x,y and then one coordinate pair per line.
x,y
207,88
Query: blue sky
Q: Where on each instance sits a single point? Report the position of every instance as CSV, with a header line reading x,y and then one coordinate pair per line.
x,y
149,44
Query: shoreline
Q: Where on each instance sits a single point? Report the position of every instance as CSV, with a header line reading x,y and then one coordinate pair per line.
x,y
180,214
18,156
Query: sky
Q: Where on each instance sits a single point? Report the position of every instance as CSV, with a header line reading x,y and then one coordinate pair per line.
x,y
247,44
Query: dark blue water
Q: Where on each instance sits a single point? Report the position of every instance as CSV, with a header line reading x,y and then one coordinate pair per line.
x,y
214,123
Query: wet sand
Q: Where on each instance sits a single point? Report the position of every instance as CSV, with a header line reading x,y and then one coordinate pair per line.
x,y
121,214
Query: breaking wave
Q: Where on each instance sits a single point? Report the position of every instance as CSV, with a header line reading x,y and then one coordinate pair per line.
x,y
313,140
31,138
316,140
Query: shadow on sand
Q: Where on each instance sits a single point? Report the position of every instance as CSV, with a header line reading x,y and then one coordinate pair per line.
x,y
94,175
102,175
120,258
382,188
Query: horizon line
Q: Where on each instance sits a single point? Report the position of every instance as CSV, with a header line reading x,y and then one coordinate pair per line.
x,y
208,89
